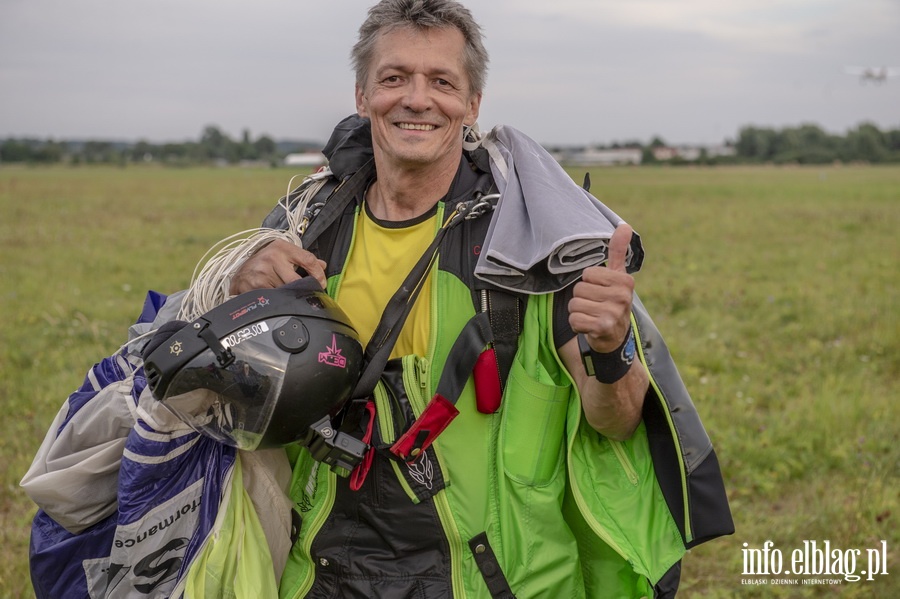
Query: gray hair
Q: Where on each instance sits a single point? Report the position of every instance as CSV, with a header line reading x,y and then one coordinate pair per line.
x,y
388,15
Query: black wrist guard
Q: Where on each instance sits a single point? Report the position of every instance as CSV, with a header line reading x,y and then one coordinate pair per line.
x,y
609,367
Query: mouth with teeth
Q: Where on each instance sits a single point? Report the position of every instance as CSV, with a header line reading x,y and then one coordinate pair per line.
x,y
416,127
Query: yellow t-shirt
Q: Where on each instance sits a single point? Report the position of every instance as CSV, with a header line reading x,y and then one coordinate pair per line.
x,y
381,256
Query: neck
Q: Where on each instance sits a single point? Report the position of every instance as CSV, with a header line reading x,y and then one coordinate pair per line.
x,y
402,194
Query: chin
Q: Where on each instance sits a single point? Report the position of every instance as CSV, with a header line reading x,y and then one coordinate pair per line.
x,y
413,158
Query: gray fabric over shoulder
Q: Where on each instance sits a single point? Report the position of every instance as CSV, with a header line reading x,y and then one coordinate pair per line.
x,y
545,229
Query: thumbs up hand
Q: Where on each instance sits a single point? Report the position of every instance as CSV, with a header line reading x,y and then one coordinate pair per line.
x,y
600,308
601,303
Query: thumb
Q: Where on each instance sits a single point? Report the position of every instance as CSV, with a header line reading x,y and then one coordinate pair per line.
x,y
618,247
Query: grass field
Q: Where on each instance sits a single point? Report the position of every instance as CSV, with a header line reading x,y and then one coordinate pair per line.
x,y
776,289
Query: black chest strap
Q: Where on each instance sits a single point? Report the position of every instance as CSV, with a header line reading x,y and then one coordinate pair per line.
x,y
496,328
506,311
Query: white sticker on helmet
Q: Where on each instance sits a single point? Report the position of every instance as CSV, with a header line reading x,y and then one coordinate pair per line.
x,y
257,328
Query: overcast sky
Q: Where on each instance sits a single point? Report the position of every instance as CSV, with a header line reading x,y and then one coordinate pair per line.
x,y
563,71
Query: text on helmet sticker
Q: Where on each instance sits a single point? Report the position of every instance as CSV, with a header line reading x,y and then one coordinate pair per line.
x,y
260,302
257,328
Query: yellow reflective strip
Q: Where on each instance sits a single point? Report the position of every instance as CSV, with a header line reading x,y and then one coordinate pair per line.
x,y
453,540
624,461
586,513
688,533
315,526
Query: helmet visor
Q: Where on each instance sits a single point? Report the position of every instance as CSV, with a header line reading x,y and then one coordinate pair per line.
x,y
234,404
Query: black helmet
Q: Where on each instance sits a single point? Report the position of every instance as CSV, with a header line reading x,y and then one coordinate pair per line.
x,y
259,370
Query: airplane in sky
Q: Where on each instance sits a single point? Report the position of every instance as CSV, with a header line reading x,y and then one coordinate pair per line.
x,y
874,74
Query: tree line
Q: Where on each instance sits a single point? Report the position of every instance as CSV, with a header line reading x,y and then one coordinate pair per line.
x,y
213,147
806,144
809,144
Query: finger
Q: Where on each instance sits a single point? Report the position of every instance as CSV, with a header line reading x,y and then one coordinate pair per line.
x,y
599,283
318,272
311,266
604,332
600,325
283,273
618,247
275,265
606,314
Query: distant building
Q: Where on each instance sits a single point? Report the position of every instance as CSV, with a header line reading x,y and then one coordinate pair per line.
x,y
687,153
663,153
599,156
314,159
690,153
721,150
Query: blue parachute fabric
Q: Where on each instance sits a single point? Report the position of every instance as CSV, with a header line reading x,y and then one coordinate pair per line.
x,y
152,471
56,556
109,370
170,486
169,497
152,304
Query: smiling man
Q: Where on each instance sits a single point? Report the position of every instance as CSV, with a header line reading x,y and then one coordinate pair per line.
x,y
418,97
543,484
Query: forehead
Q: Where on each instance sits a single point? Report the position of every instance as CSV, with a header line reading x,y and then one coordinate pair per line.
x,y
412,49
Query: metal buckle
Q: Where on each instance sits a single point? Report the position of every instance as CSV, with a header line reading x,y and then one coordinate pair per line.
x,y
477,206
336,449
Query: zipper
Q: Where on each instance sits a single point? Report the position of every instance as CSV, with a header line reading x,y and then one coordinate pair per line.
x,y
441,503
415,379
594,524
454,541
422,372
626,464
384,414
688,533
331,478
315,526
411,381
586,513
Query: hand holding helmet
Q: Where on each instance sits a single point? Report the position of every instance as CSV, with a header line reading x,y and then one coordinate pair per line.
x,y
267,368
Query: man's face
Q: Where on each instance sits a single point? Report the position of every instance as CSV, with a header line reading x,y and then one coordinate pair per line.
x,y
418,97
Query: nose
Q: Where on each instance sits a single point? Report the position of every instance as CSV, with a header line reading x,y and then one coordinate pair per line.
x,y
417,97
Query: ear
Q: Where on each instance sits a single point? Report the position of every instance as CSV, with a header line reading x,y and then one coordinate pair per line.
x,y
361,102
473,108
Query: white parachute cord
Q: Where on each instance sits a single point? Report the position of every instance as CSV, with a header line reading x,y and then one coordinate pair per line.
x,y
211,280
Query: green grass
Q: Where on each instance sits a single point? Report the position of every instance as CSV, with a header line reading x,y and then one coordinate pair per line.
x,y
776,289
